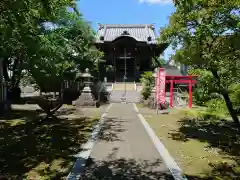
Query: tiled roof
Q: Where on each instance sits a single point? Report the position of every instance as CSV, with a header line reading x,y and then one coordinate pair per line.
x,y
140,32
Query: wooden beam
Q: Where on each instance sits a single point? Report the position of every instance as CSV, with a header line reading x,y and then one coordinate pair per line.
x,y
181,81
181,77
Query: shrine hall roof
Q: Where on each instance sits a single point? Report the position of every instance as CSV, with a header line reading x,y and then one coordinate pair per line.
x,y
140,32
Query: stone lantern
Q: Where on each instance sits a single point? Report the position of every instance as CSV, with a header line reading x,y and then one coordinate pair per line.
x,y
86,98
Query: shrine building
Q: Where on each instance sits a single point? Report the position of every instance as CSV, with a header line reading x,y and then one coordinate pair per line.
x,y
128,50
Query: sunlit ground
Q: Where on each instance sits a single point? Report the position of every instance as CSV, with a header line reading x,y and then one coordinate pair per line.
x,y
202,144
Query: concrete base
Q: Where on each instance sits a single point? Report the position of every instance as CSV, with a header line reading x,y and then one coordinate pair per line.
x,y
85,99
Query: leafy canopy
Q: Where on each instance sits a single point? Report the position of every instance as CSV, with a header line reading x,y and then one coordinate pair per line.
x,y
49,38
206,30
208,33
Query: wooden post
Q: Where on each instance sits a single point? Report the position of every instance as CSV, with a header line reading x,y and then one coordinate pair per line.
x,y
190,93
171,93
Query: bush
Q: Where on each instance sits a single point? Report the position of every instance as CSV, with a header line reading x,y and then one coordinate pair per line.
x,y
204,89
217,106
147,81
146,92
235,93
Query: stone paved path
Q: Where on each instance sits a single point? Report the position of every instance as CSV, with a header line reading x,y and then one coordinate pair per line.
x,y
124,150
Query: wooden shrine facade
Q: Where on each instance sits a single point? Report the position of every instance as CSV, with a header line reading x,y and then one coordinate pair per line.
x,y
128,50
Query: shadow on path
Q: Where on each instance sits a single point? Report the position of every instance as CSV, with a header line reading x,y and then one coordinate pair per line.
x,y
124,169
111,129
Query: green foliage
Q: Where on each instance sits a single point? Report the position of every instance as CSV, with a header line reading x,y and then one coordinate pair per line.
x,y
217,106
66,50
147,81
158,62
48,38
109,68
208,32
205,93
21,26
204,88
235,95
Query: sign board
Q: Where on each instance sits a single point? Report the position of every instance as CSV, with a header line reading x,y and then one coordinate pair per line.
x,y
160,86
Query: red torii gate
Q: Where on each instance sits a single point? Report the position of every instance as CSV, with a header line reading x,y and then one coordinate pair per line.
x,y
181,80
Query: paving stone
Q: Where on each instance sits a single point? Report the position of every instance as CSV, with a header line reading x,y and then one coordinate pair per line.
x,y
124,150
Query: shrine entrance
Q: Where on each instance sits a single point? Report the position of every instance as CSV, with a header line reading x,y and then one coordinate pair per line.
x,y
125,61
190,80
164,84
125,65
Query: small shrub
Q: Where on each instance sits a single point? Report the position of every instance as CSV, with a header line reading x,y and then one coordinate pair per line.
x,y
147,81
146,92
109,68
202,92
217,106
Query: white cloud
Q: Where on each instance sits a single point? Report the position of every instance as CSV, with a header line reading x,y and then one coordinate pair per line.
x,y
156,1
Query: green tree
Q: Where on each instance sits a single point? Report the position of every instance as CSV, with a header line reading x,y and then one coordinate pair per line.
x,y
21,25
204,89
158,62
208,32
48,38
65,50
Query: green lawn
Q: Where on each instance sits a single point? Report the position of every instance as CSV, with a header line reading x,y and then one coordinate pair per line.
x,y
204,146
31,149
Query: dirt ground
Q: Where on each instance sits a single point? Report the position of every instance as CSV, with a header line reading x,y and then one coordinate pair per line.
x,y
204,146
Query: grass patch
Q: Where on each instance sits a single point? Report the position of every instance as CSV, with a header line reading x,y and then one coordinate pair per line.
x,y
31,149
203,144
139,105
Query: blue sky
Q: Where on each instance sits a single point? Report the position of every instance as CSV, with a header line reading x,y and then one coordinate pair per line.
x,y
128,12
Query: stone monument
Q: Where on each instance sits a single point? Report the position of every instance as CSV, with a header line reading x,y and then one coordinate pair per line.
x,y
86,98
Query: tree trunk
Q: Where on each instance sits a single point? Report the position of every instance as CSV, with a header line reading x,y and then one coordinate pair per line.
x,y
5,69
13,90
226,97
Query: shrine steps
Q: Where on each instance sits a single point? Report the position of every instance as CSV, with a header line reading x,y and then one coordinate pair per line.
x,y
131,95
120,86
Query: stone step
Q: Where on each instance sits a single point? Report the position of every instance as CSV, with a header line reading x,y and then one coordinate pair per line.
x,y
121,86
131,96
